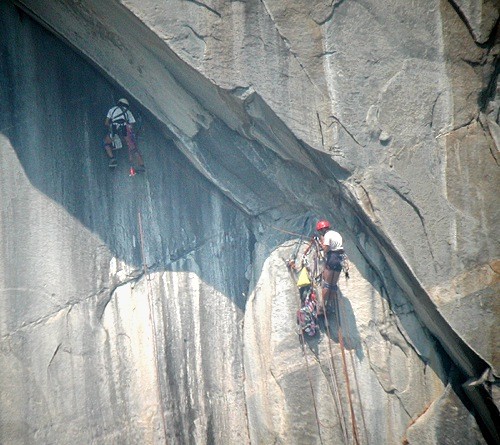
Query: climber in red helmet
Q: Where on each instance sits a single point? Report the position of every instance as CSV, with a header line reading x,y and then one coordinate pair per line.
x,y
331,243
120,121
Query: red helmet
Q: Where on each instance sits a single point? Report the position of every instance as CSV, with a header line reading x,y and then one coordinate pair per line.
x,y
323,224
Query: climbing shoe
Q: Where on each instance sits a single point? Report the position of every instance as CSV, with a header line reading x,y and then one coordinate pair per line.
x,y
113,163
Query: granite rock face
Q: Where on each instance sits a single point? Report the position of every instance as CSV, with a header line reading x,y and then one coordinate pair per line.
x,y
158,309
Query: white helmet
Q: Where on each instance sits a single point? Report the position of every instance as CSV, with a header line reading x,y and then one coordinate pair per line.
x,y
123,101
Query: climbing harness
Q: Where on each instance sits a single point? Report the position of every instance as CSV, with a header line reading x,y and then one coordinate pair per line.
x,y
119,122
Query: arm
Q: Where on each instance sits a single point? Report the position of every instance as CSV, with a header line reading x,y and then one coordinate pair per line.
x,y
316,242
130,118
308,248
324,243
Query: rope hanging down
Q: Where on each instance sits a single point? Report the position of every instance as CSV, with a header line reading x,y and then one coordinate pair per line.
x,y
152,323
337,309
309,378
316,274
333,384
315,277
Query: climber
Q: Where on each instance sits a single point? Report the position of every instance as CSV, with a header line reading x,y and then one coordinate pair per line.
x,y
119,122
331,243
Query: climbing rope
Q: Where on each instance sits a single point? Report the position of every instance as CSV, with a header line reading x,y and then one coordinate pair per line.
x,y
333,384
152,323
346,374
288,232
315,274
342,313
316,255
340,309
308,371
133,151
303,347
333,370
338,316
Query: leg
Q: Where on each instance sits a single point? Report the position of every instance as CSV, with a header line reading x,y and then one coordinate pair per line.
x,y
135,155
140,161
133,151
332,294
108,146
331,275
329,291
325,291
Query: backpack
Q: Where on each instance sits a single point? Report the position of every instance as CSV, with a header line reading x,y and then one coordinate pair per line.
x,y
306,315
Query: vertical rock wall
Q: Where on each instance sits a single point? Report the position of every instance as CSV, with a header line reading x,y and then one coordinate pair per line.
x,y
201,346
91,351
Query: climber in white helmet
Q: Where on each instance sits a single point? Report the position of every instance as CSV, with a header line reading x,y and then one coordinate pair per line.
x,y
119,122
